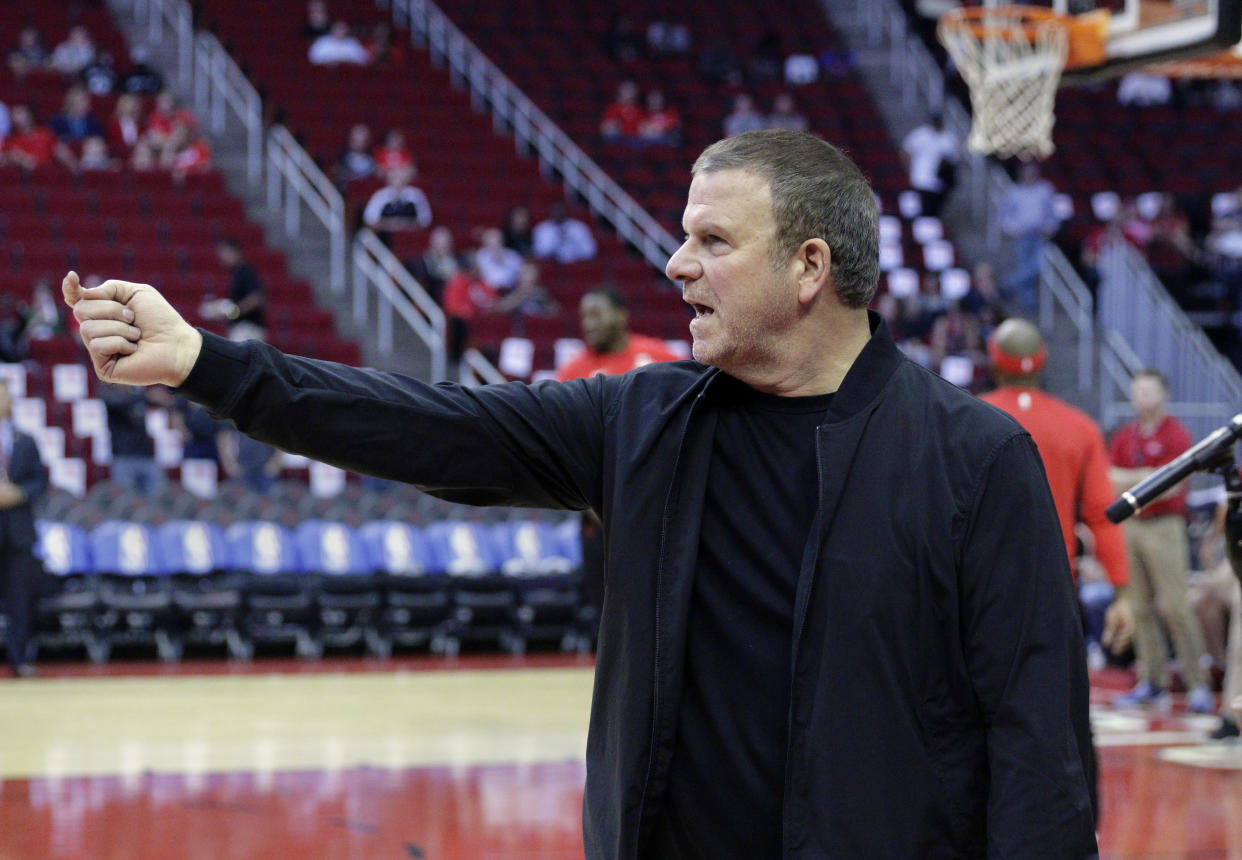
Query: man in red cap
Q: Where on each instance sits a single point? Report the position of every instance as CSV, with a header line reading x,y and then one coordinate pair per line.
x,y
1074,456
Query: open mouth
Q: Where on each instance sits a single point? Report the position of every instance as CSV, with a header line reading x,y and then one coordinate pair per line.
x,y
701,311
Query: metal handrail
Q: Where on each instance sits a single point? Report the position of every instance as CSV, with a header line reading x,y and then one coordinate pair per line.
x,y
397,290
220,84
294,181
531,127
1060,283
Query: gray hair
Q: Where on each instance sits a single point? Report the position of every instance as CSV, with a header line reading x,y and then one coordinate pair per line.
x,y
817,193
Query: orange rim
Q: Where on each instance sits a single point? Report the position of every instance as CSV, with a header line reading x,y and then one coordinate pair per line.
x,y
1087,33
1030,19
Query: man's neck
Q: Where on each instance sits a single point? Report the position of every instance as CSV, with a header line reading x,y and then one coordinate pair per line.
x,y
818,365
1149,423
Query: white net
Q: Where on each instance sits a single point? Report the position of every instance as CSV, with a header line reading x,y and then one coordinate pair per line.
x,y
1011,57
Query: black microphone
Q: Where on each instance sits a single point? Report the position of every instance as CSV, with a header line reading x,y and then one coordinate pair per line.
x,y
1201,457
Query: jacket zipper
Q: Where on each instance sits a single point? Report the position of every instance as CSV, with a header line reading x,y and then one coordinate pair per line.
x,y
655,692
799,622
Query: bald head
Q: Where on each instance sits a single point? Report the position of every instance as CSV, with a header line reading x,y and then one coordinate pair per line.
x,y
1018,338
1017,352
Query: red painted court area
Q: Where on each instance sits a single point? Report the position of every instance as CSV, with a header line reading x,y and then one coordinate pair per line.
x,y
528,811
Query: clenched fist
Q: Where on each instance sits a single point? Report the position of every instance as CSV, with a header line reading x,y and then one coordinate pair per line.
x,y
133,335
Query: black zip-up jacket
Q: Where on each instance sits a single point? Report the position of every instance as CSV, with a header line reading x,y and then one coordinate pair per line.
x,y
939,701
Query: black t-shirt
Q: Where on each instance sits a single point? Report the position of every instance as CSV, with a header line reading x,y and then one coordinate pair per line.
x,y
726,783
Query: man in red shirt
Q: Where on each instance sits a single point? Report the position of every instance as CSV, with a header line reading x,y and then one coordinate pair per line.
x,y
1072,449
32,146
610,345
1159,557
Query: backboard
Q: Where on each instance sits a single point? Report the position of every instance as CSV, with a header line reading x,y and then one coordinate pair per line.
x,y
1142,33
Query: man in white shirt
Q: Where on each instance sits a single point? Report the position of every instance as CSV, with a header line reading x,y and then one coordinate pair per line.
x,y
338,46
499,266
564,239
398,205
930,151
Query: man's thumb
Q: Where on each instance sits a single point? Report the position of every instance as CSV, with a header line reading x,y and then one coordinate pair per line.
x,y
72,288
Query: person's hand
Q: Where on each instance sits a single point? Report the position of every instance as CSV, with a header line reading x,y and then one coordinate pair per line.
x,y
1118,625
11,495
132,333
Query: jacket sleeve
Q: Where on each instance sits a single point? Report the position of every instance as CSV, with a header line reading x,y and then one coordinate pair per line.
x,y
509,444
1094,499
1025,656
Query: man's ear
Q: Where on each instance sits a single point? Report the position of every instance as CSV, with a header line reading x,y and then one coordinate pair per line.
x,y
814,269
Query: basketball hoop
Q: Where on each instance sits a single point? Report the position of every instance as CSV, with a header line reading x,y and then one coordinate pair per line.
x,y
1011,57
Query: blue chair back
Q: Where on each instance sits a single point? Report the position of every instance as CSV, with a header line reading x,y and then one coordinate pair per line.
x,y
192,546
63,548
261,547
330,548
396,548
125,549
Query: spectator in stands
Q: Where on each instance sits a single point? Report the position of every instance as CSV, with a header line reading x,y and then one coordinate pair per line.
x,y
75,122
1028,217
527,298
29,55
661,123
466,295
142,78
381,50
498,266
74,54
42,317
190,153
23,480
393,152
12,330
246,306
623,118
744,117
125,128
956,333
95,155
356,160
133,451
667,37
1143,89
32,146
785,114
564,239
931,152
318,23
434,267
719,64
166,116
518,231
398,205
143,158
6,122
621,40
604,316
100,76
1159,551
338,47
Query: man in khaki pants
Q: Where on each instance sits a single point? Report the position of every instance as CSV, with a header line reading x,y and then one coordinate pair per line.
x,y
1158,549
